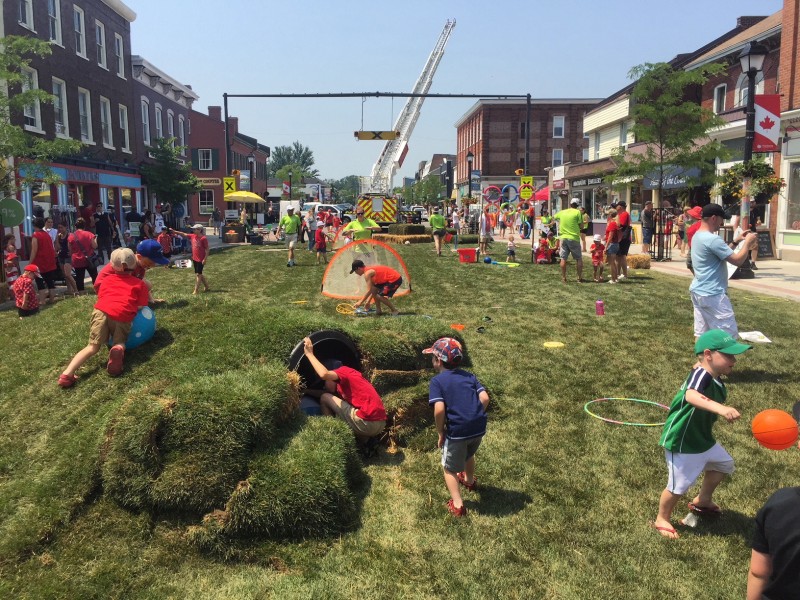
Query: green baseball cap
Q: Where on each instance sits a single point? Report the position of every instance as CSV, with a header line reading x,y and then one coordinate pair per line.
x,y
721,341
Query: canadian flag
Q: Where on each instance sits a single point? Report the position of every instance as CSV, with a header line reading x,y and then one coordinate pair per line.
x,y
768,123
286,188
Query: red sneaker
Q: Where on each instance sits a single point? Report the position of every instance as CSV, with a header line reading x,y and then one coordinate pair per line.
x,y
67,381
462,479
116,358
456,512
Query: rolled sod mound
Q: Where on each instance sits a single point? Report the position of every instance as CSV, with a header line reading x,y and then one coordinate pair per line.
x,y
232,444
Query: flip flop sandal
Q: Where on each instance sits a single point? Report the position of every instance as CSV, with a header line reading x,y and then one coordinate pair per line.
x,y
705,511
487,319
481,330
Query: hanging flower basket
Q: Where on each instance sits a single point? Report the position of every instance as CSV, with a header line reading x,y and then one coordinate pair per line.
x,y
764,184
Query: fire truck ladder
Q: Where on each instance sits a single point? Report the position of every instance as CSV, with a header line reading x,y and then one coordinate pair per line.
x,y
392,155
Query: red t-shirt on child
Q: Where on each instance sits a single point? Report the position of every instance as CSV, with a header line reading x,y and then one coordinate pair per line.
x,y
597,250
357,391
25,285
320,241
121,296
199,246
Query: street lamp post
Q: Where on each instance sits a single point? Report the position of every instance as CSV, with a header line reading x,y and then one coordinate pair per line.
x,y
752,60
290,188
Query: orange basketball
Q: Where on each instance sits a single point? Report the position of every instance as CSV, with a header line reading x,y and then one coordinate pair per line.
x,y
775,429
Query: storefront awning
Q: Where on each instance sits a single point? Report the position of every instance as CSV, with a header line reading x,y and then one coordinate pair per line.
x,y
674,178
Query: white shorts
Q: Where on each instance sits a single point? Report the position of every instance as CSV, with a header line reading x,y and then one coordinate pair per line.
x,y
291,240
713,312
684,469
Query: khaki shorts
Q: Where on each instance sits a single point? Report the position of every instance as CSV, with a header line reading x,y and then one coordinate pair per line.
x,y
101,328
347,413
291,240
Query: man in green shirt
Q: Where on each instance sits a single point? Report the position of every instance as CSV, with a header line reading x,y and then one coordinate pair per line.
x,y
290,224
361,228
439,227
569,226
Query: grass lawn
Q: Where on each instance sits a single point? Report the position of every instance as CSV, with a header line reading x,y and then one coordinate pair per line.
x,y
564,499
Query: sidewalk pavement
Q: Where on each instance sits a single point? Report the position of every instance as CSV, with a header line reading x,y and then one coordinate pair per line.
x,y
772,277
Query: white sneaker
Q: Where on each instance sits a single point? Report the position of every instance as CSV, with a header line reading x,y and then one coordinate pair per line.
x,y
621,277
612,281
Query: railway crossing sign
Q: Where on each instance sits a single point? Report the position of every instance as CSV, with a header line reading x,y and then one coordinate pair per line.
x,y
376,135
230,185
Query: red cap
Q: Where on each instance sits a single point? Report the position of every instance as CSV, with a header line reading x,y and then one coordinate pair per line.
x,y
32,268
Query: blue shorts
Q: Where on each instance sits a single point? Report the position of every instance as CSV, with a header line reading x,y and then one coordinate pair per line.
x,y
388,289
456,453
647,235
613,249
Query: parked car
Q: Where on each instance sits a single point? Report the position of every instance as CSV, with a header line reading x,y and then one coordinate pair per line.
x,y
421,210
337,209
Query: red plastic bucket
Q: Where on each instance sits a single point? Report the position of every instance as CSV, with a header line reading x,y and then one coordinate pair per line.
x,y
468,255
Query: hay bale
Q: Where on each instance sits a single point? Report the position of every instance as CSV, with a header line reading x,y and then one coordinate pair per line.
x,y
304,491
638,261
402,239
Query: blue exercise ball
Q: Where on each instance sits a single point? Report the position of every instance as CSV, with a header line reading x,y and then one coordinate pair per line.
x,y
487,260
142,329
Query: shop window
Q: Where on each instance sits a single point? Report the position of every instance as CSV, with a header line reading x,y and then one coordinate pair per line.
x,y
206,202
558,127
119,54
26,13
32,111
105,122
123,125
100,38
80,31
741,88
600,203
719,98
793,198
54,20
60,107
85,114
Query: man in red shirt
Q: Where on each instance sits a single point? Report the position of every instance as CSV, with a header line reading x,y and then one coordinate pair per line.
x,y
624,221
199,243
348,395
382,282
118,300
43,255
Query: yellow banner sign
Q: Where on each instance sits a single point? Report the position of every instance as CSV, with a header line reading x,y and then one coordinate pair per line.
x,y
526,187
376,135
230,185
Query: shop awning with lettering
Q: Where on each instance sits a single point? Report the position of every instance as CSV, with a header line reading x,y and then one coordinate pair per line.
x,y
674,178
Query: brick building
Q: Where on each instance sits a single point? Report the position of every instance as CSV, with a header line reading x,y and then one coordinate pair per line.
x,y
787,229
494,131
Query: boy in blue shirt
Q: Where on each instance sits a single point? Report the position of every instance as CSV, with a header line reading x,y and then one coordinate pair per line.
x,y
459,408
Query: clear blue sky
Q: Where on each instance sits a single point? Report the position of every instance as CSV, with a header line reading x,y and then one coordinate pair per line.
x,y
580,49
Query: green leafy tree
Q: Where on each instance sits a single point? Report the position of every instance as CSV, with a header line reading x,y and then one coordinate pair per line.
x,y
16,144
169,177
296,155
430,190
346,188
673,126
299,174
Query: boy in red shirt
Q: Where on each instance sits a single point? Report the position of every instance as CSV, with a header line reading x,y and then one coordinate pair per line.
x,y
349,396
165,239
598,249
199,243
25,292
118,300
382,282
321,243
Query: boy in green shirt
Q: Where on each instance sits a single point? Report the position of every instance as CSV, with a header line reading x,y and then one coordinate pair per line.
x,y
689,446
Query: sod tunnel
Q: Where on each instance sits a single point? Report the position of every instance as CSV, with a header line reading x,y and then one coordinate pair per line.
x,y
329,346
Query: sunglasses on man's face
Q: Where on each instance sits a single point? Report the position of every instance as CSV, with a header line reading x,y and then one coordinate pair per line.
x,y
359,214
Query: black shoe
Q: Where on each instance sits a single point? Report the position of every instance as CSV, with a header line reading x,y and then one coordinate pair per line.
x,y
753,265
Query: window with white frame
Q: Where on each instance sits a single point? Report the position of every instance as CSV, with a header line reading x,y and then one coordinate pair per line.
x,y
60,107
79,25
558,157
25,14
597,145
204,159
623,134
85,114
719,98
123,125
171,125
105,122
558,127
54,20
182,134
159,124
146,121
100,37
119,53
206,204
585,155
741,88
32,112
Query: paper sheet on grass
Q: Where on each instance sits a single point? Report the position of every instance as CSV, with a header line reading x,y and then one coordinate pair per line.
x,y
754,336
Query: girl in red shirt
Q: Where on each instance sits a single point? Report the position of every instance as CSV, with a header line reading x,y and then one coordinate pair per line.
x,y
25,292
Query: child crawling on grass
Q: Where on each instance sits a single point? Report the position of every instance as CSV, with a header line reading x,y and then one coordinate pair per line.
x,y
459,408
119,298
689,446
